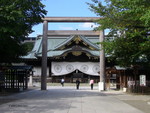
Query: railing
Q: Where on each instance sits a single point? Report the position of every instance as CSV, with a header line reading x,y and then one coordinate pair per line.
x,y
13,80
139,89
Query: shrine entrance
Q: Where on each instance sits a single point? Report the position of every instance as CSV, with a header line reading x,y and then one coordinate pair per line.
x,y
45,49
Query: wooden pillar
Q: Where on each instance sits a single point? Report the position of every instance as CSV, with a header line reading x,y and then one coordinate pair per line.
x,y
26,79
44,56
107,81
102,63
49,65
30,80
120,78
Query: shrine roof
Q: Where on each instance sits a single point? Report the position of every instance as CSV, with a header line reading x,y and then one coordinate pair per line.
x,y
55,43
80,37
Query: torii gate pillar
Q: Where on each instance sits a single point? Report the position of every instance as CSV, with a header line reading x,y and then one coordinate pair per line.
x,y
101,84
44,56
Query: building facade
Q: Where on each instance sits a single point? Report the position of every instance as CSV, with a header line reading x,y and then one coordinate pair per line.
x,y
70,54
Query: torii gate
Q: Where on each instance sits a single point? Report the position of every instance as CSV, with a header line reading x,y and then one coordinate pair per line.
x,y
44,47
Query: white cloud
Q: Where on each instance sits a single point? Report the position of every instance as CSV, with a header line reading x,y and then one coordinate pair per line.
x,y
87,25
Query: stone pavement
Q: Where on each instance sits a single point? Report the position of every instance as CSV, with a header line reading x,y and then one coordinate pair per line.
x,y
57,99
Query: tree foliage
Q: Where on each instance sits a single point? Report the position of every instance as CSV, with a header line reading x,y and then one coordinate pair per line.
x,y
28,46
128,22
17,19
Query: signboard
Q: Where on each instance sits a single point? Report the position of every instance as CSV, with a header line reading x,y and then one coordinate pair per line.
x,y
142,80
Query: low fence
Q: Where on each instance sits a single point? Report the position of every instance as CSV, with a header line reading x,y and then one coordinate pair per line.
x,y
13,79
137,88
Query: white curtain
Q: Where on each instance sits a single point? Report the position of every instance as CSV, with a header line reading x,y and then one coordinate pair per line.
x,y
62,68
37,71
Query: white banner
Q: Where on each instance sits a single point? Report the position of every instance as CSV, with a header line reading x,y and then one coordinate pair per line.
x,y
142,80
62,68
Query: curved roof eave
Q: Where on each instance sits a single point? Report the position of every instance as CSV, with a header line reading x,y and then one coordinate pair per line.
x,y
31,55
62,52
64,42
89,42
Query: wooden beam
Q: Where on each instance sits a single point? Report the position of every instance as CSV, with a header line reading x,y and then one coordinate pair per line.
x,y
71,19
73,32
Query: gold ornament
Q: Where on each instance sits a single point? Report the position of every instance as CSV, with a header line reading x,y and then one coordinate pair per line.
x,y
76,53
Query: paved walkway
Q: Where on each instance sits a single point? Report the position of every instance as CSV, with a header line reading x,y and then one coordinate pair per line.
x,y
59,99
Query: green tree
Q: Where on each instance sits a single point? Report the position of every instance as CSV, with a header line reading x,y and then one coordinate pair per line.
x,y
128,22
17,19
28,46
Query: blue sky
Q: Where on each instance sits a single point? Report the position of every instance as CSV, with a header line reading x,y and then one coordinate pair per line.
x,y
66,8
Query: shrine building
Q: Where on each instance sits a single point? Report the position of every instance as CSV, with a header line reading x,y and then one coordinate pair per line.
x,y
75,54
71,54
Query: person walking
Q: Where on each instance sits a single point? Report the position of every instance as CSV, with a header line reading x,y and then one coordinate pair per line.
x,y
92,83
77,83
62,82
